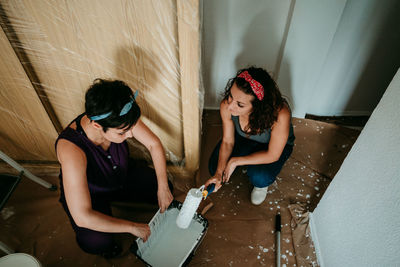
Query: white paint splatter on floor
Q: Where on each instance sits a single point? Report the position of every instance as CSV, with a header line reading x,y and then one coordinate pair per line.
x,y
7,212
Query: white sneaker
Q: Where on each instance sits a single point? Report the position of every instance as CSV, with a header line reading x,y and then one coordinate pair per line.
x,y
258,195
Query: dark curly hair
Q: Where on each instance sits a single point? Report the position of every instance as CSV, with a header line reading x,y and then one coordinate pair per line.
x,y
265,111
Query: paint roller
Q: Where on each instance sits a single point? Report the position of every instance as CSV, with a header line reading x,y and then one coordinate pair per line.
x,y
191,203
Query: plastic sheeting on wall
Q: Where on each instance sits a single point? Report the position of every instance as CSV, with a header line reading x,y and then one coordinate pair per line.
x,y
26,131
62,46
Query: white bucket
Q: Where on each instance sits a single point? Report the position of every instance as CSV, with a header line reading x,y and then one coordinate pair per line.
x,y
18,260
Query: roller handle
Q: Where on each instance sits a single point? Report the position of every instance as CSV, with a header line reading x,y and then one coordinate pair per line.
x,y
278,239
278,223
210,188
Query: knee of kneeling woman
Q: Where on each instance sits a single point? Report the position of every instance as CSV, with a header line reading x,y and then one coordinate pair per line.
x,y
98,243
260,178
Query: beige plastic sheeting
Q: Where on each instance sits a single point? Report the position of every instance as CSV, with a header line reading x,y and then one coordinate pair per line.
x,y
26,131
151,45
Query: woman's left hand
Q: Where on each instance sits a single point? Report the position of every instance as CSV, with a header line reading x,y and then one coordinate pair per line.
x,y
164,198
229,168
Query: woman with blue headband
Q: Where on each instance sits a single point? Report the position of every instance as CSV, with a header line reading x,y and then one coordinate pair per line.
x,y
96,169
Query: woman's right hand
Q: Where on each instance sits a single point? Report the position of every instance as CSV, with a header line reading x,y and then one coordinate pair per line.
x,y
141,230
217,180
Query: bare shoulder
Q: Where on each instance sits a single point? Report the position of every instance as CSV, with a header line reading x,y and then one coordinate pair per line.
x,y
68,151
284,118
284,114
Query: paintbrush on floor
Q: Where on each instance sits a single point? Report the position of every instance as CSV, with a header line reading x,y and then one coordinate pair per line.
x,y
205,206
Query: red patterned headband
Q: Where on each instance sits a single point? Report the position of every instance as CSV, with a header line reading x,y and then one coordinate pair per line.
x,y
257,88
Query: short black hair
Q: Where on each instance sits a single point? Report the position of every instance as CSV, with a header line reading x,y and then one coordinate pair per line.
x,y
105,96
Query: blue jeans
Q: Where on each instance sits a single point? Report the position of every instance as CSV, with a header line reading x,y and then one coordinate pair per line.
x,y
261,175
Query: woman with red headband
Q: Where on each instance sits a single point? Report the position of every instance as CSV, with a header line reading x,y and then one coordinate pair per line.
x,y
257,132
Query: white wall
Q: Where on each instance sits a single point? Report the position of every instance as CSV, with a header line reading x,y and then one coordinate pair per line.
x,y
312,30
237,34
329,57
357,222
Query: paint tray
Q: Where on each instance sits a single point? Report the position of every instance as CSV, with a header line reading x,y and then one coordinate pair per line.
x,y
168,245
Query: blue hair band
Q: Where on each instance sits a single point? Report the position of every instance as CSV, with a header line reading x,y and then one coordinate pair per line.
x,y
100,117
125,109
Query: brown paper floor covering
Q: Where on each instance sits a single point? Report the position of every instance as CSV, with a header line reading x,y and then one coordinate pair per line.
x,y
239,233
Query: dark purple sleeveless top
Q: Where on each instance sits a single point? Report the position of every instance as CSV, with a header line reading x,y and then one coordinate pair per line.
x,y
106,171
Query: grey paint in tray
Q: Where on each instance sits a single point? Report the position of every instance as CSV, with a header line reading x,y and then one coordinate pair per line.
x,y
169,245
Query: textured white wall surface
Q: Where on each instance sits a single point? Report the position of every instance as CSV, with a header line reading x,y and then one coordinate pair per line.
x,y
237,34
361,61
312,30
330,58
357,222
